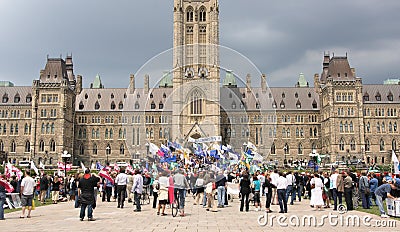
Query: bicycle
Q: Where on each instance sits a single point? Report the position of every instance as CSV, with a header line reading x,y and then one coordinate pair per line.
x,y
175,207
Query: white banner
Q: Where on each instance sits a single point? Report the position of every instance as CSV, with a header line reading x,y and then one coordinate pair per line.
x,y
206,140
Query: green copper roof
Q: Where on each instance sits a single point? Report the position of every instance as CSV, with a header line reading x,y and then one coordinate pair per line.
x,y
302,81
229,79
97,83
391,82
6,84
166,80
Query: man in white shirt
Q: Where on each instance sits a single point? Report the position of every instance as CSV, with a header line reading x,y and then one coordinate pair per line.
x,y
291,181
137,189
261,177
274,180
335,194
121,181
281,191
26,193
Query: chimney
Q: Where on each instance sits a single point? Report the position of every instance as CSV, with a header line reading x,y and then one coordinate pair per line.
x,y
327,58
316,82
78,87
132,84
146,84
248,83
264,83
353,71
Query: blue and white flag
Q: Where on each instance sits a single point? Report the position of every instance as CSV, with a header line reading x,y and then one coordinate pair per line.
x,y
395,163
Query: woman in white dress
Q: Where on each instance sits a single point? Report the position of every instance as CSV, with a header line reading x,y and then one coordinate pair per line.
x,y
316,193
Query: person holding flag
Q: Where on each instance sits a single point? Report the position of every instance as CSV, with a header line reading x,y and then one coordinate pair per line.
x,y
3,194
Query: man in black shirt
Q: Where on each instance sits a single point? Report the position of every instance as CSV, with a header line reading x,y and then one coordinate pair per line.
x,y
86,194
44,185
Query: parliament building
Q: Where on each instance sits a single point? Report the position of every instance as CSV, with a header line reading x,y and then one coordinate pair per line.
x,y
337,115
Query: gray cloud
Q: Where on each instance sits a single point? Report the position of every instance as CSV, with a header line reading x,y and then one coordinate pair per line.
x,y
283,38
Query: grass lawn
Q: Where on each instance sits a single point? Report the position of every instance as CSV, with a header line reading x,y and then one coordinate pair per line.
x,y
37,204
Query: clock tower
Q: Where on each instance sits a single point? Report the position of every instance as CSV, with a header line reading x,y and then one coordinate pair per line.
x,y
196,73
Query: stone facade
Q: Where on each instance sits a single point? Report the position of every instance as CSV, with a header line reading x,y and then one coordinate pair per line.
x,y
339,116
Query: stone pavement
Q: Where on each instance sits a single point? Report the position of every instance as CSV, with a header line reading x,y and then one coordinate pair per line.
x,y
64,217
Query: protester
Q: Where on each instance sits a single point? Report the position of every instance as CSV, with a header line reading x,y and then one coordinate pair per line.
x,y
156,188
86,187
121,181
221,183
199,186
26,193
291,181
316,192
44,185
162,193
382,192
364,190
257,186
245,192
137,189
336,192
2,199
180,184
281,191
55,189
210,192
268,186
373,184
348,190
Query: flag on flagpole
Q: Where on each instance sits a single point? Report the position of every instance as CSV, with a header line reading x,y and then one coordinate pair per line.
x,y
251,146
41,165
103,173
83,167
258,157
9,188
153,149
395,163
33,166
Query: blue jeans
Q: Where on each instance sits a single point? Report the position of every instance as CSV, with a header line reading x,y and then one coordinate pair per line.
x,y
282,200
365,200
204,199
180,195
379,202
2,200
336,195
289,191
221,195
300,191
83,209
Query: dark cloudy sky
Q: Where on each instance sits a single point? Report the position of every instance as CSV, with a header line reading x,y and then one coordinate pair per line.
x,y
282,38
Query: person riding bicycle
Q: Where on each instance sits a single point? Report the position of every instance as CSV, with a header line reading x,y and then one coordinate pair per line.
x,y
181,184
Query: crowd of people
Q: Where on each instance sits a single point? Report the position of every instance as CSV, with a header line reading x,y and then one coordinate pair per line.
x,y
208,187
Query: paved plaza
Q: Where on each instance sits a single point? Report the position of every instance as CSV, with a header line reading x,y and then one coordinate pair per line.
x,y
64,217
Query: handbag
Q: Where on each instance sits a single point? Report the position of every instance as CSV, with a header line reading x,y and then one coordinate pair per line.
x,y
367,191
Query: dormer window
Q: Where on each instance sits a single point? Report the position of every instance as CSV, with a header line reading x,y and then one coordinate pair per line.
x,y
338,75
17,98
96,105
378,96
151,95
120,106
160,105
98,96
243,95
390,96
296,95
256,95
366,97
233,105
86,96
298,104
258,106
270,95
112,105
164,95
309,94
314,104
282,105
138,96
274,105
153,105
112,96
125,95
137,105
28,98
283,95
5,98
81,106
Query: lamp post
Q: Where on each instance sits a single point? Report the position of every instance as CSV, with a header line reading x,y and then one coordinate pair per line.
x,y
108,148
285,148
147,148
65,156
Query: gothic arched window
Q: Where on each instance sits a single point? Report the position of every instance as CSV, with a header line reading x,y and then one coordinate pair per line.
x,y
196,103
202,14
189,14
